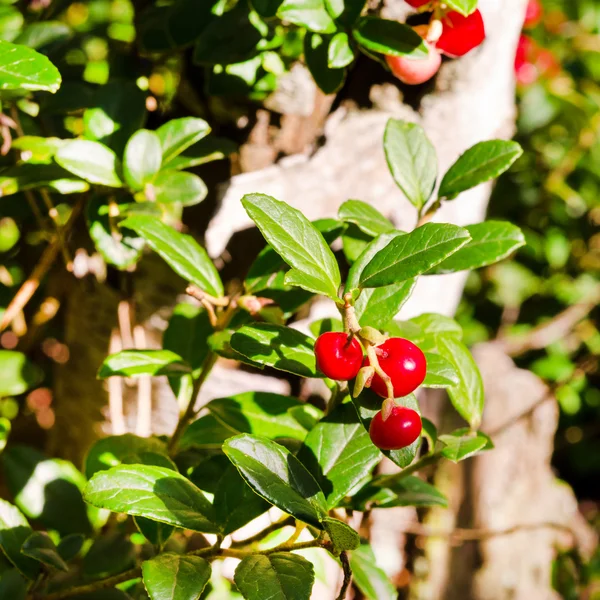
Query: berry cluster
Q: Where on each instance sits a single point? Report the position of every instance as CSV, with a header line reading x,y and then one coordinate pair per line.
x,y
340,357
448,33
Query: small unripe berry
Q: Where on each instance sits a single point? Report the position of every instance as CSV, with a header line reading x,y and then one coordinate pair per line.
x,y
533,13
461,34
414,71
399,430
405,364
338,356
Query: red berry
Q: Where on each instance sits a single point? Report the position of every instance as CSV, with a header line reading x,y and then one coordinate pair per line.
x,y
417,3
337,357
461,34
414,71
533,62
404,363
399,430
533,14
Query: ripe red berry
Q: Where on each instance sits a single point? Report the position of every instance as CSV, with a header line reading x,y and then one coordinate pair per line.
x,y
417,3
404,363
414,71
461,34
337,357
533,13
399,430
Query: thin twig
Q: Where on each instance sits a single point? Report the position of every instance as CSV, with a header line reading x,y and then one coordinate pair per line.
x,y
347,576
286,521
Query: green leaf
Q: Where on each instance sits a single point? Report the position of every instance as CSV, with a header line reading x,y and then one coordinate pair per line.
x,y
412,160
407,491
17,373
298,242
184,255
464,443
354,243
153,492
278,476
12,585
40,547
342,536
311,14
29,176
366,217
467,396
131,363
388,37
340,53
277,576
178,135
266,8
175,577
206,150
282,348
370,579
317,49
482,162
368,404
464,7
175,186
24,69
260,413
5,429
156,533
339,454
376,306
44,34
70,546
48,490
91,161
142,159
36,149
236,504
441,373
409,255
117,110
434,323
121,248
110,553
491,241
345,11
14,530
114,450
206,432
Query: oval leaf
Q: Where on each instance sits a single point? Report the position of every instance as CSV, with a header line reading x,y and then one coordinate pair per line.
x,y
142,159
133,363
156,493
40,547
14,530
389,37
91,161
316,53
464,443
371,580
311,14
441,373
169,187
175,577
22,68
179,134
366,217
17,373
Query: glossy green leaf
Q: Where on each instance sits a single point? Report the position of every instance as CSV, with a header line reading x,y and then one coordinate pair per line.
x,y
235,502
311,14
345,11
366,217
36,149
11,22
12,585
40,547
185,256
434,324
14,530
342,536
388,37
282,348
24,69
206,432
175,577
464,443
156,533
119,247
467,396
464,7
376,306
482,162
441,373
178,135
368,404
132,363
91,161
142,159
278,476
339,453
340,53
17,373
370,579
298,242
153,492
354,243
317,49
260,413
115,450
491,241
407,256
277,576
70,546
412,160
29,176
206,150
176,186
